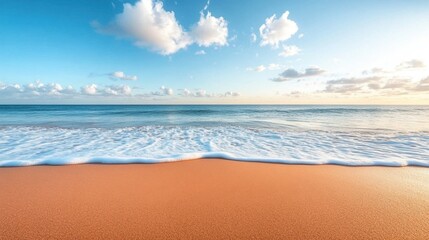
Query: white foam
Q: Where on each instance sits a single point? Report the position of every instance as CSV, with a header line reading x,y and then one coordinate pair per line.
x,y
25,146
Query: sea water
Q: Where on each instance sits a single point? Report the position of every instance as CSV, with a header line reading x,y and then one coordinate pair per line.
x,y
290,134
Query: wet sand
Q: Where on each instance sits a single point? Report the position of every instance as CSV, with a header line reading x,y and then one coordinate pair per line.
x,y
213,199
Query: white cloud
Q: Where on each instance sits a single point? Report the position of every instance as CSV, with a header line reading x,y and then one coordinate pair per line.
x,y
118,90
89,89
200,52
40,91
253,37
200,93
38,88
35,89
382,81
196,93
56,90
207,5
291,73
163,91
301,35
274,66
261,68
378,85
210,31
122,76
149,25
275,31
289,51
186,92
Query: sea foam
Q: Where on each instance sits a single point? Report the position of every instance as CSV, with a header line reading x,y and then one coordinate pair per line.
x,y
25,146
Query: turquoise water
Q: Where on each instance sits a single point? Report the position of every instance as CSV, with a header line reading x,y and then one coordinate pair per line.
x,y
309,134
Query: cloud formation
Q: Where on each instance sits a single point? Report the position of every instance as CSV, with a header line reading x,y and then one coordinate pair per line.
x,y
261,68
39,90
290,74
380,81
423,85
163,91
35,89
379,85
210,31
289,51
122,76
414,63
56,92
347,85
122,90
149,25
201,93
89,89
275,31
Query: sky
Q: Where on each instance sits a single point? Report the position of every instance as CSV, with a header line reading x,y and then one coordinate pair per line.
x,y
214,52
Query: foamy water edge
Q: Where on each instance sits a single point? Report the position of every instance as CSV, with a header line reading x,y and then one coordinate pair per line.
x,y
208,156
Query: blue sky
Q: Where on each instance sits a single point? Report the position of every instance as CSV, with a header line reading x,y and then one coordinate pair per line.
x,y
214,52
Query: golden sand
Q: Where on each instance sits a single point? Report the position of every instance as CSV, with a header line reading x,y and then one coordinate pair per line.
x,y
213,199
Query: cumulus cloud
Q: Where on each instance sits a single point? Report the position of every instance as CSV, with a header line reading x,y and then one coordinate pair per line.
x,y
121,76
89,89
34,89
290,74
39,90
210,31
275,31
163,91
122,90
56,90
149,25
289,51
195,93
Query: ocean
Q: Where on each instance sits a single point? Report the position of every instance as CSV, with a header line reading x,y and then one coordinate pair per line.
x,y
289,134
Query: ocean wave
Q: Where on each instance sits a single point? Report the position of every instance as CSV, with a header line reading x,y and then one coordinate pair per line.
x,y
25,146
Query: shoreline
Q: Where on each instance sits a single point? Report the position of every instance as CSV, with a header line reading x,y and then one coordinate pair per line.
x,y
214,199
209,156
